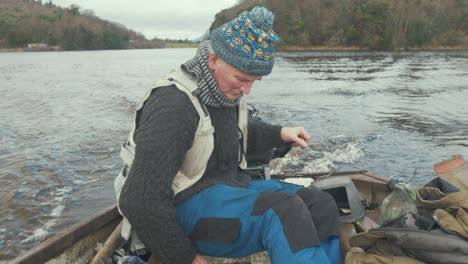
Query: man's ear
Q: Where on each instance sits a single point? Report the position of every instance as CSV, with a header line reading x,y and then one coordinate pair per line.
x,y
212,59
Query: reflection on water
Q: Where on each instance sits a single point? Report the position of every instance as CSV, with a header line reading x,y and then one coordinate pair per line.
x,y
64,114
445,130
422,92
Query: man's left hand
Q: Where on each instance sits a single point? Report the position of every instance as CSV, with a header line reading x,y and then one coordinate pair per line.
x,y
297,135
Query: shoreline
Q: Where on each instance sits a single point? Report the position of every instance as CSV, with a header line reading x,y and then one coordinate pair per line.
x,y
288,48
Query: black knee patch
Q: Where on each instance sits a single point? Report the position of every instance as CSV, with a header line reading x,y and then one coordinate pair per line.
x,y
323,209
223,230
293,214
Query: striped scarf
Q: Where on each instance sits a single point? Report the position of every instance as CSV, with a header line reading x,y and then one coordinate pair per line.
x,y
210,93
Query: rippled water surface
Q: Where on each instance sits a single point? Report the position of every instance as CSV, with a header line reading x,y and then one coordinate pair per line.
x,y
63,116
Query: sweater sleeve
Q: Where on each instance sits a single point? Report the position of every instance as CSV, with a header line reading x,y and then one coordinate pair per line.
x,y
262,138
165,132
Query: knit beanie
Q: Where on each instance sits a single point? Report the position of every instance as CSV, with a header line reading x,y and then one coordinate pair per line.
x,y
247,43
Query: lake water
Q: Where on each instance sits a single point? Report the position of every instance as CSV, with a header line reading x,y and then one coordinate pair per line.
x,y
63,116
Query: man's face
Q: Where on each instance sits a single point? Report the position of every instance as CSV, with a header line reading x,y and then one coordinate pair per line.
x,y
230,80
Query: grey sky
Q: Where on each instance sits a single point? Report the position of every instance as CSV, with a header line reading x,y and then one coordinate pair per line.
x,y
175,19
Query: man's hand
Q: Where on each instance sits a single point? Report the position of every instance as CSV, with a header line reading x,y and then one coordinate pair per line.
x,y
199,260
297,135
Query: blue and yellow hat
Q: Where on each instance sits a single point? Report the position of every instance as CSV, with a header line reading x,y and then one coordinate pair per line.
x,y
247,42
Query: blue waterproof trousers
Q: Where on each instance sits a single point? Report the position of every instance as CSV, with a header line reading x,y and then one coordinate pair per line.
x,y
270,215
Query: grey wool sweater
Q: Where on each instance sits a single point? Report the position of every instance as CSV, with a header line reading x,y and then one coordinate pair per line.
x,y
165,132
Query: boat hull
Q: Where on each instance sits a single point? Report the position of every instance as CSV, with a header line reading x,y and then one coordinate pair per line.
x,y
79,243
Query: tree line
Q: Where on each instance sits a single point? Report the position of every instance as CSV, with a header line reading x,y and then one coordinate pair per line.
x,y
29,21
372,24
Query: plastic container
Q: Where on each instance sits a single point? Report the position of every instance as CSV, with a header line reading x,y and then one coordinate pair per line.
x,y
399,202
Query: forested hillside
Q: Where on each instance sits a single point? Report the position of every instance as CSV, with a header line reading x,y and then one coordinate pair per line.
x,y
373,24
368,24
27,21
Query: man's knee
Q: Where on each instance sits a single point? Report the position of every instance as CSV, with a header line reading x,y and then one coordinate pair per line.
x,y
329,202
293,215
323,209
318,201
280,203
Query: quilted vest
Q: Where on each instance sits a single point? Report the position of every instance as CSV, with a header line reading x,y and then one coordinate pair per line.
x,y
196,159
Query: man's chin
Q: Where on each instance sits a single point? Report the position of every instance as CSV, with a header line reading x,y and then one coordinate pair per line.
x,y
233,96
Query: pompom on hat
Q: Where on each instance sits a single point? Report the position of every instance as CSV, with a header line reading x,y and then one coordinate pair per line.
x,y
247,42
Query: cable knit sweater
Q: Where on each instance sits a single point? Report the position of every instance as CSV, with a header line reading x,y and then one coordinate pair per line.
x,y
165,131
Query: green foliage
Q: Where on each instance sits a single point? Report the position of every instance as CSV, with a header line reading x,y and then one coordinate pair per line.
x,y
23,22
18,38
373,24
418,34
452,38
74,10
352,36
113,40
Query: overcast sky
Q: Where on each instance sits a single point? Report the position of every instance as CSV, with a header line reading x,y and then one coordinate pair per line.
x,y
175,19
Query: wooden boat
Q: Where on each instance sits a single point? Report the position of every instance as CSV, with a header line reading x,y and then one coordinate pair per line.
x,y
81,242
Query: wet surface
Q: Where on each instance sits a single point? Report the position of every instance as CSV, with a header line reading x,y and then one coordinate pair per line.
x,y
63,116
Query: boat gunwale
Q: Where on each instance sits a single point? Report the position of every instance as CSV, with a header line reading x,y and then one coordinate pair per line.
x,y
54,246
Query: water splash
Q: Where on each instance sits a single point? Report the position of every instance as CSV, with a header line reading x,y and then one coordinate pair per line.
x,y
59,197
309,160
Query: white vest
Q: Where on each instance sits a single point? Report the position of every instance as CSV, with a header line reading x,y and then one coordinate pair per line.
x,y
196,159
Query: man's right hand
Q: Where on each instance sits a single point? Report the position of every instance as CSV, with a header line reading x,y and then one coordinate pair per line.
x,y
298,136
199,260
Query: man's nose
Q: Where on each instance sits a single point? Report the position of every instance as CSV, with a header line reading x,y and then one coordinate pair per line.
x,y
246,88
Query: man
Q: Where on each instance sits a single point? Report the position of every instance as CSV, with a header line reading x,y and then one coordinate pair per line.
x,y
183,189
